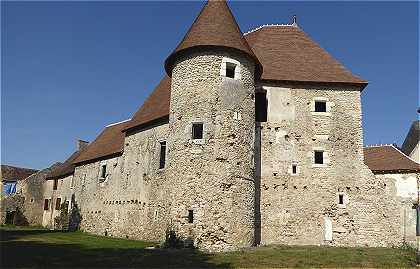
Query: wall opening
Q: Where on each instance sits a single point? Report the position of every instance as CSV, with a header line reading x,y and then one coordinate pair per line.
x,y
294,169
197,130
319,157
162,158
58,204
261,104
103,172
341,199
230,70
55,184
320,106
46,204
190,216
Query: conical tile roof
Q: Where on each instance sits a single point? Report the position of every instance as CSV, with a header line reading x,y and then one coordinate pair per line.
x,y
215,26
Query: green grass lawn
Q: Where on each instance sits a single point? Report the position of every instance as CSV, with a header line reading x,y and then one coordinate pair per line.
x,y
36,247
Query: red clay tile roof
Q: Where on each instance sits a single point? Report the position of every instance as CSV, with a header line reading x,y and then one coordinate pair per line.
x,y
156,105
288,54
12,173
66,168
109,142
388,159
215,26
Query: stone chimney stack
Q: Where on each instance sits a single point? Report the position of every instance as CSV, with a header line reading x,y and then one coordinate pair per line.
x,y
81,144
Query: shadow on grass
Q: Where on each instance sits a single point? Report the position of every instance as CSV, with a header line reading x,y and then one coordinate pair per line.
x,y
33,254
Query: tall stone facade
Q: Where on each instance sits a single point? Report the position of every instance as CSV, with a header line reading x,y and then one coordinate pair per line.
x,y
303,208
212,177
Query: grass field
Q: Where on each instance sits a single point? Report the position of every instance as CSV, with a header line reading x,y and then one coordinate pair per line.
x,y
36,247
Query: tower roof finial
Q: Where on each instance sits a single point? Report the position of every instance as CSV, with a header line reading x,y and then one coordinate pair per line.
x,y
295,21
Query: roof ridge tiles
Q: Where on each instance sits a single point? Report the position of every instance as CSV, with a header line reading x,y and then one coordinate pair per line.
x,y
271,25
115,123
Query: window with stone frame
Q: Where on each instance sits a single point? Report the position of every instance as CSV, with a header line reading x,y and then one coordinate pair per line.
x,y
319,157
230,70
102,175
320,106
162,155
197,130
294,169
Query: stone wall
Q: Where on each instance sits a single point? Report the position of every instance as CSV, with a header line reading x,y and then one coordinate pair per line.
x,y
404,187
128,203
303,208
212,178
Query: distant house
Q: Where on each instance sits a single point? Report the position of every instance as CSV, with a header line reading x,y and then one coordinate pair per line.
x,y
401,176
10,175
411,143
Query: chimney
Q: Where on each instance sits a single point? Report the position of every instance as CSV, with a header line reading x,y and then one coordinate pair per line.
x,y
81,144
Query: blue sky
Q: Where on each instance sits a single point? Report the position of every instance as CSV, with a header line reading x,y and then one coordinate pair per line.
x,y
70,68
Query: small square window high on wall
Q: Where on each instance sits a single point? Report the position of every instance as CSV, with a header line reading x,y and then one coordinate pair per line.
x,y
319,157
197,130
320,106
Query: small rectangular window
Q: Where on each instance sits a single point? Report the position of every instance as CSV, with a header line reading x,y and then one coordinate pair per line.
x,y
261,104
190,216
340,199
103,171
72,182
294,169
319,157
58,204
320,106
230,70
46,206
162,158
197,131
55,185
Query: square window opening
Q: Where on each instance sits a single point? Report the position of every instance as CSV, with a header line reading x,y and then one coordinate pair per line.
x,y
341,199
162,158
320,106
197,131
58,204
190,216
319,157
230,70
294,169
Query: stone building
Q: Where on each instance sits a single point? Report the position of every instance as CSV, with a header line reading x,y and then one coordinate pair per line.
x,y
10,201
248,139
401,177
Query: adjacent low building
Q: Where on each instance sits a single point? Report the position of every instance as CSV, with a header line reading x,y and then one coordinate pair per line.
x,y
401,178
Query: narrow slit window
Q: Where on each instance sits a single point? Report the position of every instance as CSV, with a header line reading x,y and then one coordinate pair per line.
x,y
319,157
55,184
230,70
162,158
197,131
294,169
261,104
58,204
103,171
340,199
46,204
320,106
190,216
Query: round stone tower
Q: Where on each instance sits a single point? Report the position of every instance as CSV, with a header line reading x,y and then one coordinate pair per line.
x,y
212,126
